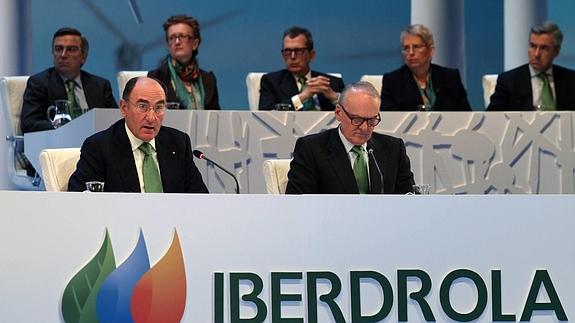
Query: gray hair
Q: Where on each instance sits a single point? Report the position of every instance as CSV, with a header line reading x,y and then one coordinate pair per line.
x,y
360,86
551,28
418,30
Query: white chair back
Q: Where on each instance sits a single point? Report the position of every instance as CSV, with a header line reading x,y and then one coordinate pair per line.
x,y
275,175
57,167
489,82
11,93
12,90
375,80
253,85
124,76
253,81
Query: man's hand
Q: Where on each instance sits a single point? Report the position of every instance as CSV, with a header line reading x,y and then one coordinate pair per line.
x,y
316,85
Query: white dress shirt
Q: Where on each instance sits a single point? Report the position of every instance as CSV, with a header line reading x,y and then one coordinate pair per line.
x,y
139,155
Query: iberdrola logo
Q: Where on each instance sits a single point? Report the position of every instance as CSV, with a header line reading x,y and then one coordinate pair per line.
x,y
133,292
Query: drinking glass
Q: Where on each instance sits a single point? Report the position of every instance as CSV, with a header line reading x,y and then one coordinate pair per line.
x,y
422,189
283,107
94,186
173,105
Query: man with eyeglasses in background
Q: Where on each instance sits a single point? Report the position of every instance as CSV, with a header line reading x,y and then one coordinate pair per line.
x,y
539,85
64,81
351,158
297,85
137,153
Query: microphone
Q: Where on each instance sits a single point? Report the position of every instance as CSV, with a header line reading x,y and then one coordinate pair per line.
x,y
200,155
370,152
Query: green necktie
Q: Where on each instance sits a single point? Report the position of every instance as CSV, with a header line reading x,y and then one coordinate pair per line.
x,y
547,101
307,104
75,110
152,181
360,170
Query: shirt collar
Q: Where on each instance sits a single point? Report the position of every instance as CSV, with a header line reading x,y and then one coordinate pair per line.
x,y
136,142
533,72
348,145
307,76
77,79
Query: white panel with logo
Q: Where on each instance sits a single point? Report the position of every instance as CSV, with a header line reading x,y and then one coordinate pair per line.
x,y
268,257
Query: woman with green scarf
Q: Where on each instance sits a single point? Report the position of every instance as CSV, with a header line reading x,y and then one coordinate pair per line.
x,y
187,84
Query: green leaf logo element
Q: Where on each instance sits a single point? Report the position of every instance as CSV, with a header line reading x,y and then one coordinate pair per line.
x,y
79,299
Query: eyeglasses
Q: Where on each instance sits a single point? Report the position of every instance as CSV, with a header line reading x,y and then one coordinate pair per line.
x,y
59,49
288,52
144,107
415,48
180,37
358,121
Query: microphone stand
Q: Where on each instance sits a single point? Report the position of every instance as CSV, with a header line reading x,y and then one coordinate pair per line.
x,y
370,152
200,155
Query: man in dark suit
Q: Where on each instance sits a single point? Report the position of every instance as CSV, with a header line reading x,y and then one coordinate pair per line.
x,y
297,85
348,159
137,153
539,85
419,85
65,81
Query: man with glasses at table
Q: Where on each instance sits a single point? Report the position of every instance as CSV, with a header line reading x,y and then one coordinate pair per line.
x,y
64,81
138,153
297,85
351,158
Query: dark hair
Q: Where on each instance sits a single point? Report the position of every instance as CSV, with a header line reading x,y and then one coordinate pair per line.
x,y
295,31
74,32
184,19
132,83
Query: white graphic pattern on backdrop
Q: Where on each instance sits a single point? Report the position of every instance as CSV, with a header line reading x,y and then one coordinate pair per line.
x,y
457,153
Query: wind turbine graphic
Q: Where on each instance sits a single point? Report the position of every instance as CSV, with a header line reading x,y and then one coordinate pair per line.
x,y
129,53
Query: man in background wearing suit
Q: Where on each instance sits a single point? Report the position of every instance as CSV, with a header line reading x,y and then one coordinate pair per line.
x,y
64,81
137,153
351,158
539,85
297,84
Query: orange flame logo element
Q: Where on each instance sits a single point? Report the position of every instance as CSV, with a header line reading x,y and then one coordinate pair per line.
x,y
160,295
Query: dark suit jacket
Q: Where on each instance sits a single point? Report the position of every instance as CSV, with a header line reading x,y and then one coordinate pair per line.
x,y
211,97
513,90
107,156
47,86
321,165
400,91
280,86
